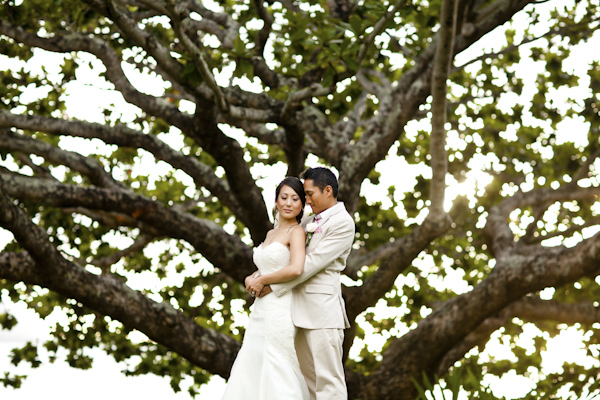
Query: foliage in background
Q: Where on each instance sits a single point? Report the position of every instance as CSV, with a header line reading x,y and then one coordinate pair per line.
x,y
141,142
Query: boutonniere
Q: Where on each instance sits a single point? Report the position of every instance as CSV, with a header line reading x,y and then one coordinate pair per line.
x,y
311,228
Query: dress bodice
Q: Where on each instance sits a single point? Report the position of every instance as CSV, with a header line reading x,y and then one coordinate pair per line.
x,y
272,257
267,367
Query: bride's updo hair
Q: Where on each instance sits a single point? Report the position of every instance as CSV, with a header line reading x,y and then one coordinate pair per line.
x,y
297,186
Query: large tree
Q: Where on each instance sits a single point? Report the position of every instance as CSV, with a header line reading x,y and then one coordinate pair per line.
x,y
221,93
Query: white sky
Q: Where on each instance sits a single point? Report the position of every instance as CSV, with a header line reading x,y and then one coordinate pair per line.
x,y
104,380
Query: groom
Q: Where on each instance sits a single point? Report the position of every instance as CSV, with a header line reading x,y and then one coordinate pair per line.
x,y
318,309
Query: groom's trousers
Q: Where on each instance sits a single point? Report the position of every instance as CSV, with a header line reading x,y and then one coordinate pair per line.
x,y
320,355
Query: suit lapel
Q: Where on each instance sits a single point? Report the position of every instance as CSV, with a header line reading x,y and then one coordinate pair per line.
x,y
338,208
322,223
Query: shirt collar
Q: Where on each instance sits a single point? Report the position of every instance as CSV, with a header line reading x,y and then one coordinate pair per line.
x,y
330,211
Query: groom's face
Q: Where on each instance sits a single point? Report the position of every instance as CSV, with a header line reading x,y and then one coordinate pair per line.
x,y
315,198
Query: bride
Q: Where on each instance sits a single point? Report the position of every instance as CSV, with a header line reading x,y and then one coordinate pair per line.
x,y
267,368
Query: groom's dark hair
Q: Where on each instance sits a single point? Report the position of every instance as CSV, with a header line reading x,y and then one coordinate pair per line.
x,y
321,177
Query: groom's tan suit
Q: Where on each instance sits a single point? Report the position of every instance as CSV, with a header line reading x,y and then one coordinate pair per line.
x,y
318,308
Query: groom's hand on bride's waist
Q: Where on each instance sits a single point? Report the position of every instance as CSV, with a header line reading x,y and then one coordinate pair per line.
x,y
265,290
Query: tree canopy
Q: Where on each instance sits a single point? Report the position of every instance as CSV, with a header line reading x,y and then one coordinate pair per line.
x,y
453,112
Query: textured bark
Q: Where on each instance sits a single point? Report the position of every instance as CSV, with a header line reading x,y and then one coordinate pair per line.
x,y
109,296
232,255
441,68
529,309
423,348
405,251
202,174
353,144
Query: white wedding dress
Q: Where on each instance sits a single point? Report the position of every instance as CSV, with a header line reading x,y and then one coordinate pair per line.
x,y
267,368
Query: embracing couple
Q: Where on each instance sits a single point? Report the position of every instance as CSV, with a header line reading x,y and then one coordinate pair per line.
x,y
292,347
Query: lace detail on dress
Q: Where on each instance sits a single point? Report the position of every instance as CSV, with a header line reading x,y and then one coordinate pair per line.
x,y
267,367
272,257
280,330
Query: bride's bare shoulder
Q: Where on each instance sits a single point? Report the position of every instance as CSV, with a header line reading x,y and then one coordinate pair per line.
x,y
297,230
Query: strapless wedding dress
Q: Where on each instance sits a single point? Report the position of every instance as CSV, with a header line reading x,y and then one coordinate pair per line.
x,y
267,368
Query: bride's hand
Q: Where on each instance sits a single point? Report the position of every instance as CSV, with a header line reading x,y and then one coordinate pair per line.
x,y
248,281
255,287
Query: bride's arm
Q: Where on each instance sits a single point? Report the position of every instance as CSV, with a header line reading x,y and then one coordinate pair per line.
x,y
289,272
336,242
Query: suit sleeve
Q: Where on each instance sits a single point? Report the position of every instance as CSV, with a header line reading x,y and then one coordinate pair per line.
x,y
337,240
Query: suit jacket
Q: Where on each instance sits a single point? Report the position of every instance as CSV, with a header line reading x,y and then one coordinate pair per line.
x,y
317,293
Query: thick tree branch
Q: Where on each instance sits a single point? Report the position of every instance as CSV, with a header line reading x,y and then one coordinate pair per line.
x,y
230,155
442,62
105,263
269,77
314,90
263,34
538,213
256,130
399,258
156,7
510,280
38,170
530,309
533,309
382,90
202,174
408,95
112,219
254,115
211,23
497,231
252,107
594,221
513,47
230,25
358,258
73,42
86,166
584,170
103,293
202,66
377,29
232,255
